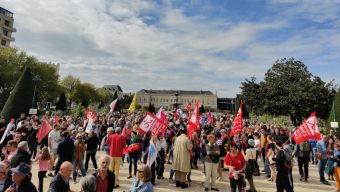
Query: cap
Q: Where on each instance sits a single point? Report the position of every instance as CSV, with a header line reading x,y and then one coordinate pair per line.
x,y
251,142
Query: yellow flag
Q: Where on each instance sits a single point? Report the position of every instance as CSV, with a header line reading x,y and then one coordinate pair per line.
x,y
133,103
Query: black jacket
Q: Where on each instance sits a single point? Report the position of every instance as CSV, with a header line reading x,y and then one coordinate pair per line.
x,y
26,186
92,144
111,180
280,160
58,185
20,157
65,150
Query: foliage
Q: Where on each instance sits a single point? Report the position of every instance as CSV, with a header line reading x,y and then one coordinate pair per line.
x,y
78,111
69,84
61,104
201,109
21,97
288,89
151,108
335,111
12,64
105,96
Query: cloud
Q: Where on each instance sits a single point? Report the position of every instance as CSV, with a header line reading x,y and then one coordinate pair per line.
x,y
159,45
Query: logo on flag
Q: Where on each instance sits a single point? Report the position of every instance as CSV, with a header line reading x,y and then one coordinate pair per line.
x,y
308,130
153,124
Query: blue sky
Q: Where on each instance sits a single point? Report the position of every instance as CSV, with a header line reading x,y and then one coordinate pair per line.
x,y
192,44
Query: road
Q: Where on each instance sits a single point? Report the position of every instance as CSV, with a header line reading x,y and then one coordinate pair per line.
x,y
262,185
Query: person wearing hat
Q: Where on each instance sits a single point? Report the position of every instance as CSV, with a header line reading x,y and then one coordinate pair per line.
x,y
211,163
21,179
250,158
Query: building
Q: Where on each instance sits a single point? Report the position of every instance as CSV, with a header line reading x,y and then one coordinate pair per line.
x,y
113,89
6,27
169,99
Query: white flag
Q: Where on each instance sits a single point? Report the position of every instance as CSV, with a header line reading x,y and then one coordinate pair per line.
x,y
113,105
152,154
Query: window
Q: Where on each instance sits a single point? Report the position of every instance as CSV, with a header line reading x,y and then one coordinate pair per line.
x,y
6,33
3,42
7,23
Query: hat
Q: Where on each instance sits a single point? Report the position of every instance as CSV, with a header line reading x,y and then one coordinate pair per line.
x,y
223,131
23,168
211,135
251,142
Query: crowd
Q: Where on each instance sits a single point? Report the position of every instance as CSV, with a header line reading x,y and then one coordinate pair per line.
x,y
65,152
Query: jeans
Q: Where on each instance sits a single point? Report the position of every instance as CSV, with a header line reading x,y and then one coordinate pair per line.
x,y
91,155
322,165
303,163
75,168
266,167
133,157
314,160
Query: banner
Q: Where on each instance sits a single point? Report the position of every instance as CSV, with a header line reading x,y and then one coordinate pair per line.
x,y
133,103
45,128
131,148
238,122
152,154
113,105
162,116
153,124
90,117
308,130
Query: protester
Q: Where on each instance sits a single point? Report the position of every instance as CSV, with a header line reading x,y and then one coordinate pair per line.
x,y
105,178
12,148
88,184
336,159
133,155
21,179
117,144
271,153
65,150
161,146
22,155
78,161
236,163
211,163
142,182
181,163
53,140
60,183
5,177
302,151
322,154
44,159
250,158
92,143
330,165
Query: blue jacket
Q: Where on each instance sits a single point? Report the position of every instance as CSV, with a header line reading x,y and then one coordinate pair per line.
x,y
321,147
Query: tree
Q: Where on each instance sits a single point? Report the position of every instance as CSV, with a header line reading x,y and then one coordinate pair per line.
x,y
85,93
61,104
334,115
289,89
151,108
251,95
70,83
20,99
201,109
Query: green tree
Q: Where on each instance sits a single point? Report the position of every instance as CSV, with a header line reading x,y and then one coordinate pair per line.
x,y
334,115
251,95
201,109
290,89
70,84
85,93
20,99
61,104
151,108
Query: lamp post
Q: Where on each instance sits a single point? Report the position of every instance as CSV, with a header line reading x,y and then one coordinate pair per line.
x,y
35,80
176,104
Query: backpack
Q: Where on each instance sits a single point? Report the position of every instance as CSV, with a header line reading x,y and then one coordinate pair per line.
x,y
288,152
304,148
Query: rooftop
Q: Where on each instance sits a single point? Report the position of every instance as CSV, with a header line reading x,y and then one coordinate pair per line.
x,y
179,92
5,12
115,87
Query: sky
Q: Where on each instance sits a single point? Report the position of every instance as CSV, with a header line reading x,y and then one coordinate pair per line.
x,y
180,44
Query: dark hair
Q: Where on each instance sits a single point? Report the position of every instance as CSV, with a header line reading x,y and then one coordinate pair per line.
x,y
279,143
64,134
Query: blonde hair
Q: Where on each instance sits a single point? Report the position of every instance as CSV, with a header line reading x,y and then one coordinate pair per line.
x,y
145,169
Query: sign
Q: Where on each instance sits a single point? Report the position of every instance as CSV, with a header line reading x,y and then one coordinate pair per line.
x,y
153,124
33,111
334,125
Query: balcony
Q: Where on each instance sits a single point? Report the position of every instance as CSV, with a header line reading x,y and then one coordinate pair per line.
x,y
7,38
8,28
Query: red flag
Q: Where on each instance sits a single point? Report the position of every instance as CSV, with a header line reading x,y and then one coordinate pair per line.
x,y
194,124
210,118
162,116
308,130
113,105
189,108
89,114
237,124
153,124
45,128
131,148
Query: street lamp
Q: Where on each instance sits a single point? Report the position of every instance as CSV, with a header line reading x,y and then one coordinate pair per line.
x,y
35,80
176,104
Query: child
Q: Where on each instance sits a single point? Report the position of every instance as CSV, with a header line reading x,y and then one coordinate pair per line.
x,y
44,160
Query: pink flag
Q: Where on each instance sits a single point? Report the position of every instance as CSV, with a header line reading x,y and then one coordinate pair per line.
x,y
194,124
237,124
308,130
210,118
113,105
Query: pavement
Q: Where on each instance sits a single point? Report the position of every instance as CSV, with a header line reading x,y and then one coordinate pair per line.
x,y
261,183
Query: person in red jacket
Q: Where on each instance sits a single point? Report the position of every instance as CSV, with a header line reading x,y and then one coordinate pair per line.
x,y
117,144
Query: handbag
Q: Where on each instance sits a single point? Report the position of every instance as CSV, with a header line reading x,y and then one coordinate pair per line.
x,y
318,155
